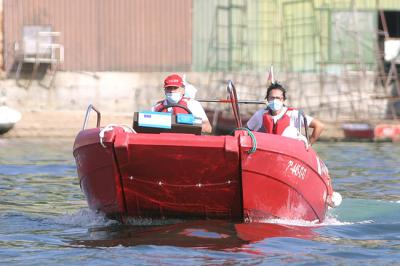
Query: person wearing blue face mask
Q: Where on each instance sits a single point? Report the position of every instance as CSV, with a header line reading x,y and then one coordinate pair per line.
x,y
276,118
174,90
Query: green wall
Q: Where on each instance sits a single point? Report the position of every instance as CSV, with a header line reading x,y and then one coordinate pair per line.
x,y
297,35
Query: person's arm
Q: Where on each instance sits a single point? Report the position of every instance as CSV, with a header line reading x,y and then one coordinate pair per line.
x,y
318,127
198,111
255,121
206,127
155,107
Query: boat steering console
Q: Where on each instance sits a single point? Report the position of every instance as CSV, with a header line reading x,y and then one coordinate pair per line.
x,y
162,122
176,105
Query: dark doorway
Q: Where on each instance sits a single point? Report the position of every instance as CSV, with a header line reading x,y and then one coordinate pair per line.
x,y
393,23
389,28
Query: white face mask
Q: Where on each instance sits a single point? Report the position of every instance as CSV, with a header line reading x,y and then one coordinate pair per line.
x,y
275,105
173,97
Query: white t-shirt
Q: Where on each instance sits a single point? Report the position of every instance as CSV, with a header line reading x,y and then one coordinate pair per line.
x,y
193,105
256,121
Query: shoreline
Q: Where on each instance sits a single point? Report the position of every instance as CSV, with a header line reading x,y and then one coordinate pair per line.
x,y
63,124
67,124
59,124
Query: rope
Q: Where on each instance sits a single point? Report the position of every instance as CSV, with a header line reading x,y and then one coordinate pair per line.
x,y
199,185
253,138
110,127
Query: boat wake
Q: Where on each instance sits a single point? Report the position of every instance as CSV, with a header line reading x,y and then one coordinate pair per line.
x,y
84,217
291,222
333,220
87,217
329,220
150,221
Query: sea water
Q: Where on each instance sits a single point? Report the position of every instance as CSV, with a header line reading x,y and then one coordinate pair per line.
x,y
44,219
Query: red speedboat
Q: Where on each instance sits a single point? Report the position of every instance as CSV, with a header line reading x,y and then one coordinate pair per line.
x,y
358,131
159,173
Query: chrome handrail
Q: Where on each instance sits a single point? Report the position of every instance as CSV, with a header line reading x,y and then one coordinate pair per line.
x,y
89,109
234,101
303,116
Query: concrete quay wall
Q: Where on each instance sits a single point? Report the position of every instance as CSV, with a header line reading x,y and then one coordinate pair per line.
x,y
59,110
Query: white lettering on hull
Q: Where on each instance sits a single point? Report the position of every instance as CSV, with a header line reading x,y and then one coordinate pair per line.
x,y
296,169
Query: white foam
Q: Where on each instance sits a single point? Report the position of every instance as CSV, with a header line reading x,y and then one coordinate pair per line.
x,y
295,222
87,217
150,221
329,220
84,217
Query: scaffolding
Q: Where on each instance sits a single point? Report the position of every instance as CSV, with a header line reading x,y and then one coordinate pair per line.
x,y
326,53
227,46
242,31
387,77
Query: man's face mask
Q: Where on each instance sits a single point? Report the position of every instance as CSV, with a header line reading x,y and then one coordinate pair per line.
x,y
173,97
275,105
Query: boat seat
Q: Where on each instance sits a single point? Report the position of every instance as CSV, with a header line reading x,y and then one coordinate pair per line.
x,y
175,127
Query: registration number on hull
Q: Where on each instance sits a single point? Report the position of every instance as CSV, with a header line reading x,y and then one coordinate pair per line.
x,y
296,169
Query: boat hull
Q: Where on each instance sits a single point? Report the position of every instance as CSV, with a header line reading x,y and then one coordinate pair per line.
x,y
5,127
171,175
283,179
358,131
8,118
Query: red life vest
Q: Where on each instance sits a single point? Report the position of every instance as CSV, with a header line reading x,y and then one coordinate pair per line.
x,y
175,110
279,126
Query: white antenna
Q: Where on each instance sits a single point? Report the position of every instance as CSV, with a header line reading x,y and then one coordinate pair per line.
x,y
271,70
271,78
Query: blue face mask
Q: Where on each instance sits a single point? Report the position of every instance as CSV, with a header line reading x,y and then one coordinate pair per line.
x,y
275,105
173,97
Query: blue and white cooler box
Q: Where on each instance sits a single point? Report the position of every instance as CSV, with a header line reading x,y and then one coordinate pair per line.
x,y
155,119
185,119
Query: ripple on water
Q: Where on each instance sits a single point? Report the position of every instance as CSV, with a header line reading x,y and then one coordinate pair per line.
x,y
44,216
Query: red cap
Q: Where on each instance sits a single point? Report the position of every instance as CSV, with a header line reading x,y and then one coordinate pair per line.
x,y
173,80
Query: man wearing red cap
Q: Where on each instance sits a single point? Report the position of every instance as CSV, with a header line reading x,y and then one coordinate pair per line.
x,y
174,95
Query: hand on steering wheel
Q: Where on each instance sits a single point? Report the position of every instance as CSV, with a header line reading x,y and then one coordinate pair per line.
x,y
176,105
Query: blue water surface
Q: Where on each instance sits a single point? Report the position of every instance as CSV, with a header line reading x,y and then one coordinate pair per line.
x,y
44,219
